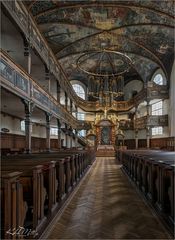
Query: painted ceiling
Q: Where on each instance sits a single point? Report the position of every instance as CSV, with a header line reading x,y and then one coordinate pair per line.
x,y
142,30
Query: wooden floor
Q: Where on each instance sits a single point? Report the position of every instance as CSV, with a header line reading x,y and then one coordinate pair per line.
x,y
107,206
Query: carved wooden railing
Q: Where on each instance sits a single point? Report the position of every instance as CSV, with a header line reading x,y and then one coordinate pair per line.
x,y
15,79
24,20
151,121
152,91
26,23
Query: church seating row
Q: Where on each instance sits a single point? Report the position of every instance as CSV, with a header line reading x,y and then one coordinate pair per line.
x,y
35,186
153,173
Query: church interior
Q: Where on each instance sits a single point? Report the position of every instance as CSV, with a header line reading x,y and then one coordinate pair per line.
x,y
87,119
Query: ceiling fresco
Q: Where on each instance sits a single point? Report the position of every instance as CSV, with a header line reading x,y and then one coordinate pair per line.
x,y
141,29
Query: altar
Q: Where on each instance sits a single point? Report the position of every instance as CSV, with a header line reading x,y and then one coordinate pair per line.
x,y
105,130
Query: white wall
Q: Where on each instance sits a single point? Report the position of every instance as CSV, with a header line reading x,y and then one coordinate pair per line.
x,y
11,123
38,131
14,125
135,85
129,134
142,134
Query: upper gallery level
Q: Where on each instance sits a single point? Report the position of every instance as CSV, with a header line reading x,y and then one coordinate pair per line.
x,y
102,51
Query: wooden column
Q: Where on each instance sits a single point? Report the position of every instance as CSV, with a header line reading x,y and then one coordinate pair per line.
x,y
58,92
71,136
47,78
76,138
66,101
29,106
136,129
147,127
71,106
27,53
59,133
66,135
48,117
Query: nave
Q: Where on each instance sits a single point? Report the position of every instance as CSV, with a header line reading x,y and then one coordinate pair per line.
x,y
107,206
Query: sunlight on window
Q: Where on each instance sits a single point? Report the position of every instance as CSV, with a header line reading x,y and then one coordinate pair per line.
x,y
158,79
79,90
157,131
54,131
157,108
23,125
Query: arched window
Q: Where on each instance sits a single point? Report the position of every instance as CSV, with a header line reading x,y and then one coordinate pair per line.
x,y
79,90
158,79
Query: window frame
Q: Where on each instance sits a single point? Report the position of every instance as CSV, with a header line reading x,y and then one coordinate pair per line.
x,y
158,81
157,108
157,131
54,131
79,90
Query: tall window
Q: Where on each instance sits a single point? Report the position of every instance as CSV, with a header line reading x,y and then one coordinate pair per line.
x,y
157,108
81,116
23,125
157,131
79,90
54,131
158,79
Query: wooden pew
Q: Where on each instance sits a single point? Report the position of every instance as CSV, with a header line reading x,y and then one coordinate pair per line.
x,y
34,193
153,173
13,207
50,175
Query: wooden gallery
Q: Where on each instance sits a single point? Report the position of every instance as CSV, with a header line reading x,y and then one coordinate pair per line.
x,y
87,119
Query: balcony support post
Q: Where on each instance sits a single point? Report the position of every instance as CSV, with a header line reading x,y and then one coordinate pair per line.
x,y
76,138
66,135
147,125
66,101
135,128
58,92
71,105
29,107
59,133
48,118
47,79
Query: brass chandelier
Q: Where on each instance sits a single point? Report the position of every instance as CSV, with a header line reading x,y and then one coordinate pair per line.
x,y
105,70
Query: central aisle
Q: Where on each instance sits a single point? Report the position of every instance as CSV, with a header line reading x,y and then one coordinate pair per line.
x,y
106,206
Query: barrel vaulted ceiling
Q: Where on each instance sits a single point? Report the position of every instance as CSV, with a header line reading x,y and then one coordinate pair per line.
x,y
141,29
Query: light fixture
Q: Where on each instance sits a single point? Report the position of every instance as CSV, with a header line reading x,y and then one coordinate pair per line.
x,y
105,72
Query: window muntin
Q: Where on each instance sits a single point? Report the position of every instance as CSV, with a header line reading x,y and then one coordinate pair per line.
x,y
79,90
157,131
54,131
158,79
157,108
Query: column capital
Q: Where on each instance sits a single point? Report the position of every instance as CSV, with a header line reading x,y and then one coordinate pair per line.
x,y
48,117
59,123
29,106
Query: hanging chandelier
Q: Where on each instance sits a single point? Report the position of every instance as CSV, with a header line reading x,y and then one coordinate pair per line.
x,y
105,72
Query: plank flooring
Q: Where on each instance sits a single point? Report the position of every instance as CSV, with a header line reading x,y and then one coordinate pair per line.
x,y
107,206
